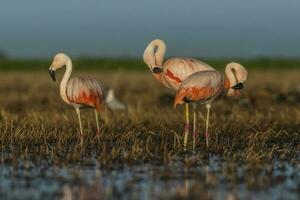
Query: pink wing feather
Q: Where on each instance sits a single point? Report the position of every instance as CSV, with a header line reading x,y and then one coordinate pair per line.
x,y
178,69
201,87
85,91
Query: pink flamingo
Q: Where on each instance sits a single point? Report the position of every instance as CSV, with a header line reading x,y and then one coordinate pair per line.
x,y
204,86
80,92
172,72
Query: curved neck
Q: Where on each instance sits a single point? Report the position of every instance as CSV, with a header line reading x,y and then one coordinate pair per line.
x,y
64,81
160,53
231,79
152,58
230,75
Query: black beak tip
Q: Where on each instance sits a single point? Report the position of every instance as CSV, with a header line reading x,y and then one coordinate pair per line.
x,y
238,86
157,70
52,74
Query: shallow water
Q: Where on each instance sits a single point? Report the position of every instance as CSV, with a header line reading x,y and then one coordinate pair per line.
x,y
211,178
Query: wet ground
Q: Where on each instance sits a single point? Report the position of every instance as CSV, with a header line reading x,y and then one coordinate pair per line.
x,y
254,140
209,178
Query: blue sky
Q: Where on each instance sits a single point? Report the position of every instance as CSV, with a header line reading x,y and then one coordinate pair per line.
x,y
111,28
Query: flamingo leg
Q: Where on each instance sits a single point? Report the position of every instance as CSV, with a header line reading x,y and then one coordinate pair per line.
x,y
187,124
208,106
194,126
80,126
97,123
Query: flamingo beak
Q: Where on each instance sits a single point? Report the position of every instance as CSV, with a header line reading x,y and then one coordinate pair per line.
x,y
238,86
52,74
157,70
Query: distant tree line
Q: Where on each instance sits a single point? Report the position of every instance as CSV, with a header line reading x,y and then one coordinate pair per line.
x,y
3,55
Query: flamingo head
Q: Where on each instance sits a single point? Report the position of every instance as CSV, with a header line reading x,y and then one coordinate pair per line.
x,y
59,61
237,75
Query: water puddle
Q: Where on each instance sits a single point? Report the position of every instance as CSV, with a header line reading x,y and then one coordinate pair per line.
x,y
212,178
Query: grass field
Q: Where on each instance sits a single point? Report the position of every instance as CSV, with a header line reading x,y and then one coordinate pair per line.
x,y
260,127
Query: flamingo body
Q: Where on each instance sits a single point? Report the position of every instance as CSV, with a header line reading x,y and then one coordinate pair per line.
x,y
174,70
201,87
204,86
80,92
178,69
85,92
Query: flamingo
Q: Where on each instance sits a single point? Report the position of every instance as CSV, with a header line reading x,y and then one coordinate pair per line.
x,y
204,86
172,72
80,92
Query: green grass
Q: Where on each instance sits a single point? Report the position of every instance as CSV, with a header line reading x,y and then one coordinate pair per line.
x,y
137,64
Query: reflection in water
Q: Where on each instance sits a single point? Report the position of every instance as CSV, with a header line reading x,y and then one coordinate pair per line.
x,y
186,181
210,178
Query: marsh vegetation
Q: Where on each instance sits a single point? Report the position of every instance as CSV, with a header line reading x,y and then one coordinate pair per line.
x,y
254,140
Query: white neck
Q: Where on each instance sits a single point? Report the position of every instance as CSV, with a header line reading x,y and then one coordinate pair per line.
x,y
155,59
64,81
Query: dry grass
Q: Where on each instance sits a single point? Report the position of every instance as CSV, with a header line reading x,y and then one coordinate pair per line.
x,y
261,125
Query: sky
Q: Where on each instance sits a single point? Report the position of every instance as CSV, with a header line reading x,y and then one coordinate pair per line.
x,y
111,28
